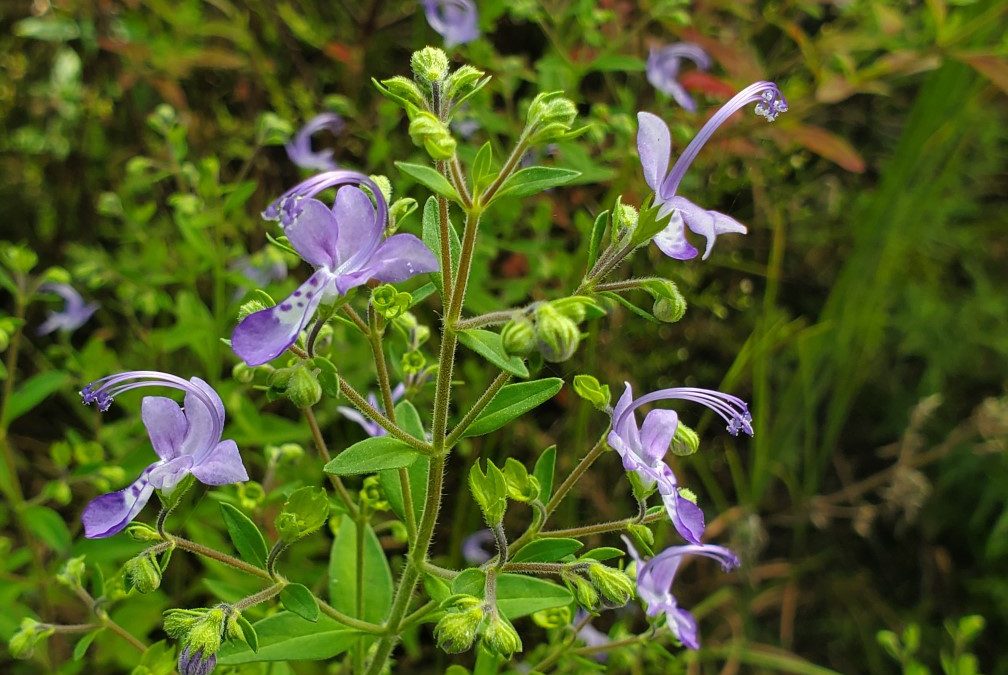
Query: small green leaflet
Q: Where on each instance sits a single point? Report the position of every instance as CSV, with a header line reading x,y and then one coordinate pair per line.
x,y
298,599
430,178
245,536
535,179
543,472
512,401
547,550
285,636
371,455
488,345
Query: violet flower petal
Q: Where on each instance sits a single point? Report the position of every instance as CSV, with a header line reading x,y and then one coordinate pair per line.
x,y
672,240
654,145
455,20
110,513
313,233
166,425
358,228
266,334
398,258
205,425
299,148
223,466
656,433
74,314
708,224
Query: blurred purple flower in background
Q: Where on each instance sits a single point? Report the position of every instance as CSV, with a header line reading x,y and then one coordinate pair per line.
x,y
347,246
75,312
663,69
590,635
299,149
642,448
654,585
472,547
455,20
187,439
370,428
654,145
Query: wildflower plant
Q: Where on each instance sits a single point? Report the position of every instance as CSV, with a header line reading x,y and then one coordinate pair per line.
x,y
374,277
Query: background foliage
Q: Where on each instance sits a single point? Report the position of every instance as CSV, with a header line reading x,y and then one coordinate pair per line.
x,y
865,314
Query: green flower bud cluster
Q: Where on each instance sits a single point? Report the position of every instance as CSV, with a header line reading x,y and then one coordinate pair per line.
x,y
71,574
427,130
299,383
429,65
490,491
604,585
31,633
550,116
305,511
287,453
669,303
591,390
467,618
499,636
557,334
201,631
550,327
518,336
250,495
390,302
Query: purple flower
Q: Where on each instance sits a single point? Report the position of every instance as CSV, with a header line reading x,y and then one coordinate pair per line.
x,y
663,69
299,148
642,449
187,439
454,20
654,585
369,427
347,247
472,547
194,663
75,312
654,145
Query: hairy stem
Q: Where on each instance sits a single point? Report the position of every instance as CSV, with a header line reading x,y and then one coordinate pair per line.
x,y
576,474
481,403
261,596
323,450
214,554
488,319
601,528
369,411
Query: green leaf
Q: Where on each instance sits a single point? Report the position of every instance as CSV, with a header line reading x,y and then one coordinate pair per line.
x,y
517,595
248,633
482,168
82,645
535,179
488,345
409,419
595,240
371,455
512,401
35,389
48,526
287,637
421,293
603,553
549,549
431,235
430,178
298,599
245,536
343,574
543,472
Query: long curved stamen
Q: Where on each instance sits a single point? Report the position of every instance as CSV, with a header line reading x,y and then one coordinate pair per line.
x,y
724,556
104,390
732,409
770,103
683,50
284,207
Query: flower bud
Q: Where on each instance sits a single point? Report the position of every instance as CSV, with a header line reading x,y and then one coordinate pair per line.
x,y
550,117
22,644
143,572
403,91
243,373
18,258
304,512
499,636
413,362
668,310
624,219
557,336
303,388
584,592
427,130
142,532
685,441
429,65
521,486
400,209
456,630
591,390
463,83
556,617
72,573
192,662
614,585
518,336
490,491
384,184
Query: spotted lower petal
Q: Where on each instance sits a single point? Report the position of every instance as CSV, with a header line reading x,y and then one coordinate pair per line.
x,y
110,513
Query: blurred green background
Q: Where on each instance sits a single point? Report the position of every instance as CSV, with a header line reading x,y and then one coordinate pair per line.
x,y
864,315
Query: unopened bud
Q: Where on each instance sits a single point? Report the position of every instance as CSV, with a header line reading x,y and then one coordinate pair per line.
x,y
584,592
403,91
71,574
372,495
555,617
303,388
456,630
624,218
669,303
305,511
550,116
590,389
429,65
243,373
142,532
499,636
685,441
614,585
427,130
22,644
143,572
462,83
557,336
413,362
518,336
